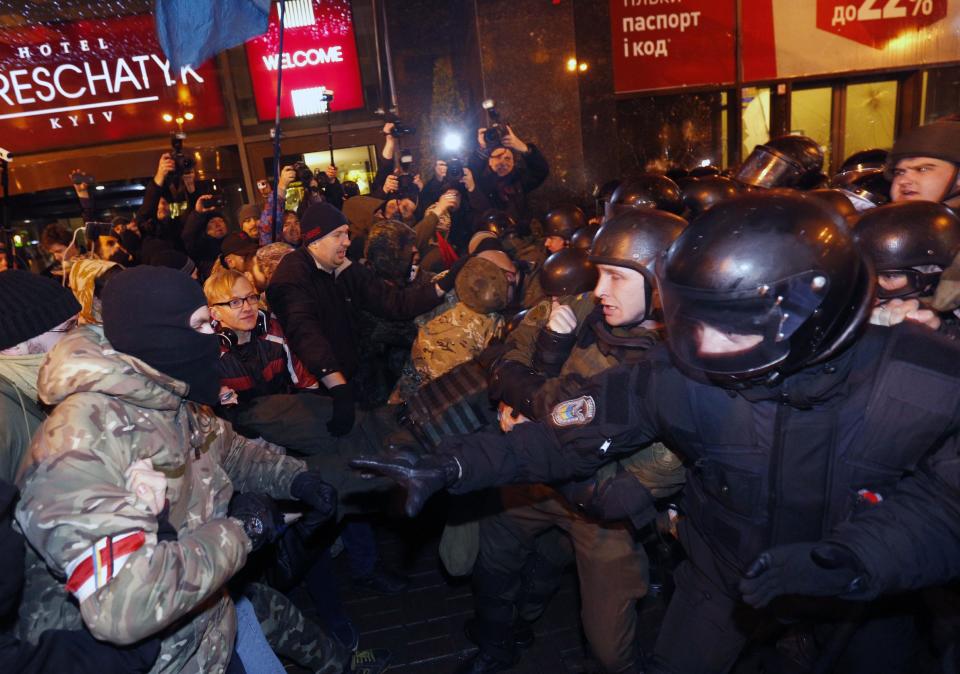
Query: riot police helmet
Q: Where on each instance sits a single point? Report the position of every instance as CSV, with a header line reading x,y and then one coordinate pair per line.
x,y
910,243
568,272
700,194
786,161
761,286
583,237
649,190
636,240
563,221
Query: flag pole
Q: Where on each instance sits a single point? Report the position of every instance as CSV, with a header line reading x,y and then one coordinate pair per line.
x,y
276,131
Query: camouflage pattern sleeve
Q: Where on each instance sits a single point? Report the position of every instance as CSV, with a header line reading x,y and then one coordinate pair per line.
x,y
522,340
75,509
158,585
257,465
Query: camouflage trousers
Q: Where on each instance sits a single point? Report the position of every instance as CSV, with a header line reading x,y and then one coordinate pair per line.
x,y
292,635
611,565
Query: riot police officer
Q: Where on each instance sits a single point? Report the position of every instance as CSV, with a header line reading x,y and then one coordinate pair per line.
x,y
822,455
787,161
559,226
910,243
515,570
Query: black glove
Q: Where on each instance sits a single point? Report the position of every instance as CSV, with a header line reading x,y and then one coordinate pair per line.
x,y
814,569
447,281
344,413
422,476
310,488
619,497
165,530
260,516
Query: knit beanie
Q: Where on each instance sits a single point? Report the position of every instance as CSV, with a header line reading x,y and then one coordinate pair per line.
x,y
31,305
146,314
238,243
248,211
173,259
319,220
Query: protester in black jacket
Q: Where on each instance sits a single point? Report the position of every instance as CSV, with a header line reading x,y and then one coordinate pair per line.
x,y
315,292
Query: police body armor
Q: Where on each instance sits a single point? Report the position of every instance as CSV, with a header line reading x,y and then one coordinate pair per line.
x,y
827,459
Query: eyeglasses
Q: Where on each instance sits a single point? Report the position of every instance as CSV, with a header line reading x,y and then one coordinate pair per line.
x,y
238,302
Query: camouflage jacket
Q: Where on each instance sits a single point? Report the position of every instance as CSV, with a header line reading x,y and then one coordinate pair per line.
x,y
111,410
448,336
656,467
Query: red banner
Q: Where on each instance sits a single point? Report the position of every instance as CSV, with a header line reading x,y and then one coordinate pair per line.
x,y
659,44
89,82
876,22
319,57
785,38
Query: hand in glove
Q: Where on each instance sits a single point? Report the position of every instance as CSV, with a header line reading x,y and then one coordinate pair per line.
x,y
562,319
260,517
344,414
421,475
310,488
813,569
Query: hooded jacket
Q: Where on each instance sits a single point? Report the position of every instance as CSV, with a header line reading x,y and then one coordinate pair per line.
x,y
111,410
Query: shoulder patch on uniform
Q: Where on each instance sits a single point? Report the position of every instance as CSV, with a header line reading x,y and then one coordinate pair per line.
x,y
577,412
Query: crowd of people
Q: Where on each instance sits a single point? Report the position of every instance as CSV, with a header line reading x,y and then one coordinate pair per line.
x,y
752,368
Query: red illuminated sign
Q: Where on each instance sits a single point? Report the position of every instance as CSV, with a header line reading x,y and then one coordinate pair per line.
x,y
660,44
876,22
319,56
88,82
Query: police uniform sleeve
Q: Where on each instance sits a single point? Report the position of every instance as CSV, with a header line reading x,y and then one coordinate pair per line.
x,y
76,512
255,465
585,424
911,539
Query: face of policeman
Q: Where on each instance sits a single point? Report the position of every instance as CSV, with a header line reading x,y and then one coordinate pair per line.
x,y
923,179
713,341
554,244
622,294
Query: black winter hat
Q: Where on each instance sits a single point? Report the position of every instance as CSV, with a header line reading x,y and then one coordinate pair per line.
x,y
319,220
174,259
31,305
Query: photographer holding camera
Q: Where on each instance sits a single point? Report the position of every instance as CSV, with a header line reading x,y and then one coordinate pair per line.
x,y
504,170
174,180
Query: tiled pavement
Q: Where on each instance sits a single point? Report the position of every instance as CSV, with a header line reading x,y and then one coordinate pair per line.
x,y
424,626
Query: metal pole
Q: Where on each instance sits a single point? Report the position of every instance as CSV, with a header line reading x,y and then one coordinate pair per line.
x,y
386,46
5,218
276,131
376,42
330,135
736,155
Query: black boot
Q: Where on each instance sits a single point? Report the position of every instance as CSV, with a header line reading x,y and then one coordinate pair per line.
x,y
485,663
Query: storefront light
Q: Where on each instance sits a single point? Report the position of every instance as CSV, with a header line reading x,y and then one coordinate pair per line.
x,y
572,65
